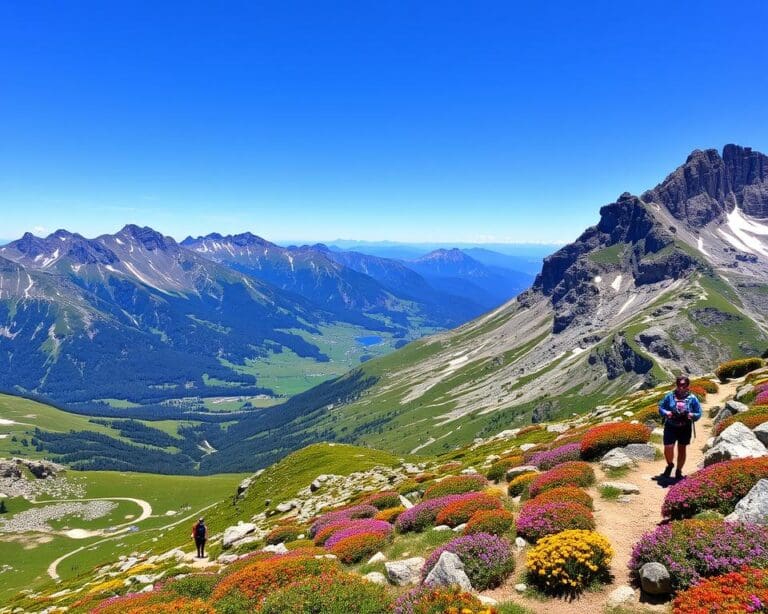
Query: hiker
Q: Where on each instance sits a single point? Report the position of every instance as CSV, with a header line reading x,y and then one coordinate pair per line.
x,y
679,409
199,533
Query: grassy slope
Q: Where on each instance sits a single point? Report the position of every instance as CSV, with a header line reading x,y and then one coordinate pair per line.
x,y
163,493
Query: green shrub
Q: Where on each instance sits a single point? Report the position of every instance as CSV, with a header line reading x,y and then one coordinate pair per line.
x,y
195,586
519,485
598,440
329,594
737,368
498,470
751,418
285,533
456,485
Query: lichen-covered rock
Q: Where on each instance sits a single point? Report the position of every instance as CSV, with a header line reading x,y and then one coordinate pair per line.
x,y
737,441
407,571
654,579
754,507
448,571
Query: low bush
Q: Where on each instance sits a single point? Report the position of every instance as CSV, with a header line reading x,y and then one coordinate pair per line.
x,y
357,527
459,512
329,594
539,519
708,385
495,522
737,368
488,559
761,398
737,592
751,418
346,513
263,577
519,485
427,476
498,470
408,486
572,473
551,458
571,494
455,485
423,515
383,500
356,547
718,487
696,549
149,603
325,533
286,533
647,414
428,600
450,466
569,561
299,543
195,586
599,439
390,514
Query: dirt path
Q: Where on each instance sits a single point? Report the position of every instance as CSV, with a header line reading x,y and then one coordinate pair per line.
x,y
623,523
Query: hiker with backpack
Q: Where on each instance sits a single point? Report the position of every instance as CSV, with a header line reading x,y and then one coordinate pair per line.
x,y
199,534
679,409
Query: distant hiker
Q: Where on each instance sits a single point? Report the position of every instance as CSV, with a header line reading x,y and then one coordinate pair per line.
x,y
679,409
199,534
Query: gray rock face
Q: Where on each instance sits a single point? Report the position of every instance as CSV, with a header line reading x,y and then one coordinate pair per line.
x,y
656,340
655,580
448,570
513,472
640,451
402,573
737,441
236,533
761,432
754,507
9,469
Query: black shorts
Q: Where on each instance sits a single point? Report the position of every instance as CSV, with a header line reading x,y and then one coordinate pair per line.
x,y
677,434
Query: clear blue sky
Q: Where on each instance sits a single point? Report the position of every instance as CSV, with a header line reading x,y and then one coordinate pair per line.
x,y
412,121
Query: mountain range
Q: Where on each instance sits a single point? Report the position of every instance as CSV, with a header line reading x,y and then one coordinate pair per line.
x,y
139,318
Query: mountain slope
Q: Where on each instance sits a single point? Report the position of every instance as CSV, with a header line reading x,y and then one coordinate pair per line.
x,y
388,296
137,317
673,281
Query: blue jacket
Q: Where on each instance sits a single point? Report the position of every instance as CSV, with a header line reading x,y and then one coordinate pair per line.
x,y
669,403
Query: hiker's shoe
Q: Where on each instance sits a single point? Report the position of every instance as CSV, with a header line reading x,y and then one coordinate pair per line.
x,y
679,475
668,471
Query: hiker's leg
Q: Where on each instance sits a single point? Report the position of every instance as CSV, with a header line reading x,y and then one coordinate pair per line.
x,y
669,454
681,452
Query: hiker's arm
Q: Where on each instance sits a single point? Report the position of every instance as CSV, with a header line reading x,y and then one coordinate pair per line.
x,y
695,409
663,411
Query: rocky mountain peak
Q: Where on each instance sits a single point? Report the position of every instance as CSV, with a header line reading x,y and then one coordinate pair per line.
x,y
709,185
147,237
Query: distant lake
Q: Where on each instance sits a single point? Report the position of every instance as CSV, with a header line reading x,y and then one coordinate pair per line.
x,y
366,341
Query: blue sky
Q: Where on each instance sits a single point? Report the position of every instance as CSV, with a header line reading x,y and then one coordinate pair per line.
x,y
428,121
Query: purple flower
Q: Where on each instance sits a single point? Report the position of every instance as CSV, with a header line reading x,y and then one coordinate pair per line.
x,y
487,559
360,526
420,516
550,458
539,519
348,513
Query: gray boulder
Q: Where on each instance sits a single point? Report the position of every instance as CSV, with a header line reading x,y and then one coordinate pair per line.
x,y
621,596
616,459
448,570
639,451
754,507
736,407
236,533
721,415
402,573
655,580
513,472
9,469
737,441
626,488
761,432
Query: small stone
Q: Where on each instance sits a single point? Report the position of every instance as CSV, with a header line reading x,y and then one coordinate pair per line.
x,y
655,580
639,451
377,558
527,446
277,549
226,559
520,543
459,528
623,595
557,428
624,499
521,588
448,571
485,600
441,527
513,472
376,577
616,459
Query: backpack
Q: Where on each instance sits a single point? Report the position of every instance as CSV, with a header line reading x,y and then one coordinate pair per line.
x,y
199,531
